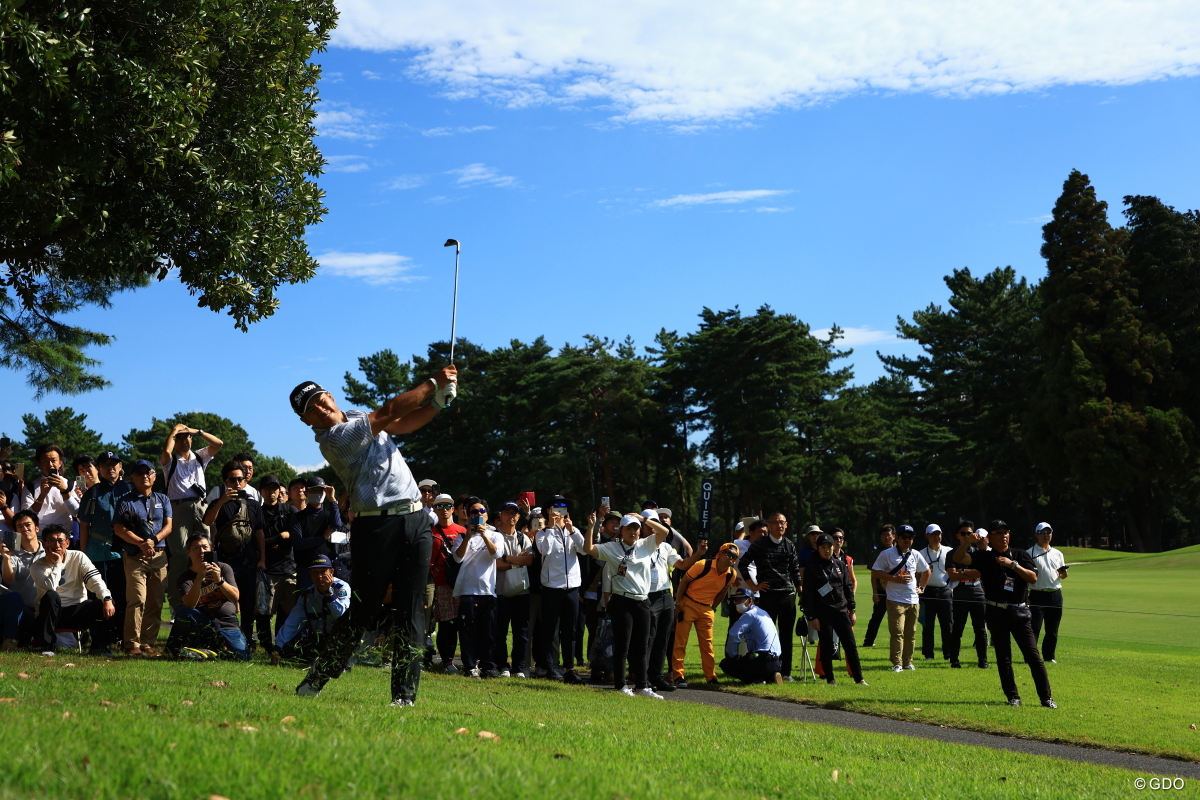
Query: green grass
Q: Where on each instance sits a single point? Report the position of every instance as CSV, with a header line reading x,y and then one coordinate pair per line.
x,y
1088,555
129,728
1124,681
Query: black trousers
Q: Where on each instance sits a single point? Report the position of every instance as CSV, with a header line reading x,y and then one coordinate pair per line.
x,y
782,608
968,602
938,606
110,631
560,612
837,622
512,612
757,667
478,630
878,612
247,584
388,551
53,614
631,638
662,633
1002,626
1047,606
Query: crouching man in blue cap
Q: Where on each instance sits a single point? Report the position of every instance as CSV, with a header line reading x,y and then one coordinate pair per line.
x,y
311,619
760,661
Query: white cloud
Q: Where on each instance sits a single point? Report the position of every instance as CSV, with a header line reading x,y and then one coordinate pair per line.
x,y
347,164
481,175
689,60
377,269
773,209
857,337
371,76
722,198
301,469
405,182
453,131
342,121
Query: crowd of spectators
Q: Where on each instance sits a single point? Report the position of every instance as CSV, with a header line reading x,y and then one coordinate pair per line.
x,y
515,591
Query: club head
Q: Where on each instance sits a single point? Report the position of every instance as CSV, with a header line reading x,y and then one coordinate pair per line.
x,y
451,243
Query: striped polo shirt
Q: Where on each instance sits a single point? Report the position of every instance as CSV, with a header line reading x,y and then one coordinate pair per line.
x,y
369,464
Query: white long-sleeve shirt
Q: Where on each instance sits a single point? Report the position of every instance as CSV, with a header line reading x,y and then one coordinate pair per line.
x,y
560,551
57,508
68,577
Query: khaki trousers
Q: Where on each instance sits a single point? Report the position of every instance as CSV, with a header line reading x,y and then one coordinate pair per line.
x,y
144,598
902,625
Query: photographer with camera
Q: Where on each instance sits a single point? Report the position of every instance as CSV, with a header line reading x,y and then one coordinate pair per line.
x,y
236,522
1006,576
143,522
316,609
206,620
50,496
475,587
12,491
98,509
185,485
17,605
559,544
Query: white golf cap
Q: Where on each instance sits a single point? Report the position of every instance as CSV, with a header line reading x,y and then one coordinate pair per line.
x,y
632,519
981,531
443,498
1043,526
649,513
738,527
935,528
664,512
427,482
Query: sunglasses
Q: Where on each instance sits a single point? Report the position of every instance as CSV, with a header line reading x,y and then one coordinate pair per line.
x,y
839,538
236,480
444,506
559,505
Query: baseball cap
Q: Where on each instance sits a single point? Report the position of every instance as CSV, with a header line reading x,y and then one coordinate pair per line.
x,y
905,530
613,514
731,548
303,394
558,501
320,562
934,528
648,504
664,512
107,455
510,506
443,498
315,482
1041,526
999,525
981,531
742,591
632,519
270,479
738,527
143,463
824,538
650,513
427,482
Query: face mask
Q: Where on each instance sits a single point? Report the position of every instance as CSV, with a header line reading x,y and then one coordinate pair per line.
x,y
743,608
315,499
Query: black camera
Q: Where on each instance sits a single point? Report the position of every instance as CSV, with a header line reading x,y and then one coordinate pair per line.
x,y
210,557
198,490
242,493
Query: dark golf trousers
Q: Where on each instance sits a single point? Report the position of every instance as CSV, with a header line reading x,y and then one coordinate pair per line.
x,y
781,606
1047,606
53,614
938,606
878,612
392,550
560,611
246,578
1002,626
111,630
512,612
837,622
757,667
477,626
662,633
631,637
968,601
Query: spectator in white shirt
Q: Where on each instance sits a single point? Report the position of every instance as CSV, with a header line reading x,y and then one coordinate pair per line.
x,y
560,544
477,552
50,496
512,604
629,563
429,490
183,470
63,578
903,572
1045,596
936,599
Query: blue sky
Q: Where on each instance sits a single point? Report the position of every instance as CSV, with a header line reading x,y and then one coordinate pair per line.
x,y
613,173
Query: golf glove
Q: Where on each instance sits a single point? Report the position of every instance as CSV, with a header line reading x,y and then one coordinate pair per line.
x,y
444,395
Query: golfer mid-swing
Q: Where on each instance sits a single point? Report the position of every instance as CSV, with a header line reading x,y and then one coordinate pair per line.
x,y
390,531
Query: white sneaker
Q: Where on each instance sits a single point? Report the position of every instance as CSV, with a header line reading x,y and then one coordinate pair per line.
x,y
909,666
520,674
648,692
628,691
48,653
450,670
305,690
402,703
505,674
476,672
789,678
897,668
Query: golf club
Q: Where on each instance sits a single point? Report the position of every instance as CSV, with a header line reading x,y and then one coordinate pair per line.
x,y
452,389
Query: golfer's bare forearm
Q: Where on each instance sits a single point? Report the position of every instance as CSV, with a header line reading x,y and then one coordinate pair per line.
x,y
412,420
400,406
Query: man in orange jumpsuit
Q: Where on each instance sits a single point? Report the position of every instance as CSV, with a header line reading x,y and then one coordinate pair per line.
x,y
699,594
